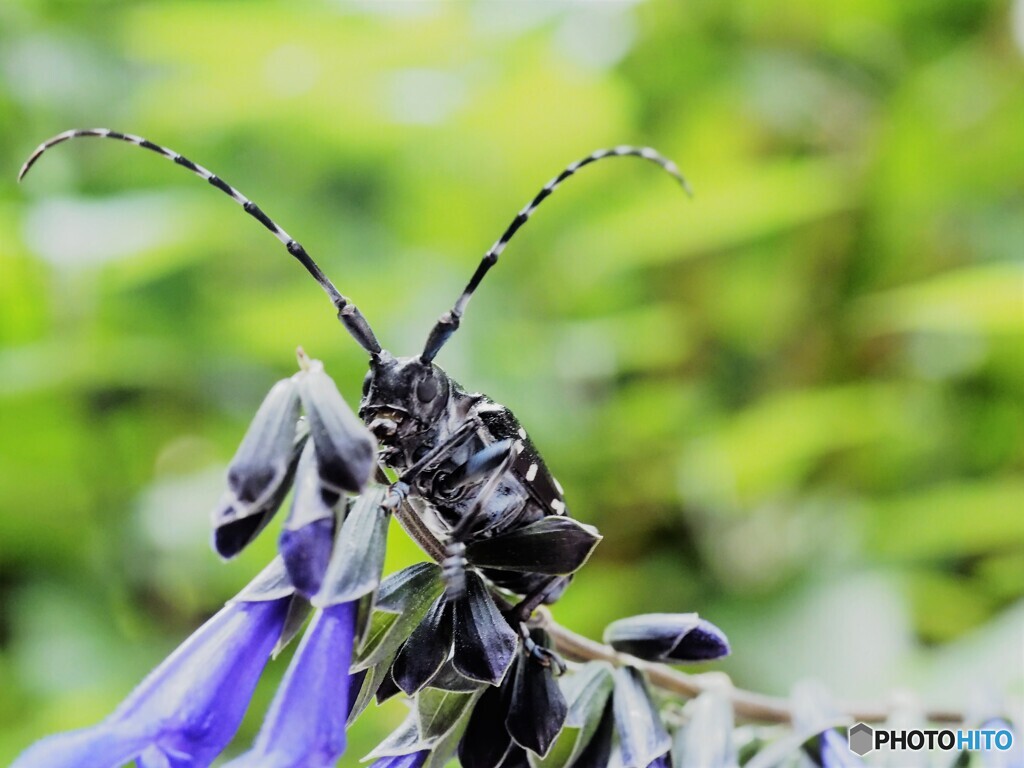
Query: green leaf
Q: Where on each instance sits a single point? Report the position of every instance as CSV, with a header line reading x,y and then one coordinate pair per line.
x,y
707,738
399,590
642,737
445,747
298,612
374,677
404,740
955,519
388,630
586,693
449,679
379,625
364,615
358,556
439,711
587,698
562,752
407,739
978,299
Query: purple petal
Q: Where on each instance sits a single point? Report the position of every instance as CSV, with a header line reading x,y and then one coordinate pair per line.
x,y
101,747
188,707
305,727
835,752
197,698
414,760
156,758
667,637
702,643
307,538
306,552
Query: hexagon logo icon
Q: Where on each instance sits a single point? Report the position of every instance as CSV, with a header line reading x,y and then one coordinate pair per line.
x,y
861,738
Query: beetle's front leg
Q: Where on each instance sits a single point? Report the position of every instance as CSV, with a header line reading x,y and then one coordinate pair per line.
x,y
399,490
495,459
494,462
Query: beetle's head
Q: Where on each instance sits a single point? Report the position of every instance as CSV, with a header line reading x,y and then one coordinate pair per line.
x,y
402,397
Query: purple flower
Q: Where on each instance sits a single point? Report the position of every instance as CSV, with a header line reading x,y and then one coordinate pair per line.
x,y
835,751
307,538
668,637
305,727
413,760
188,709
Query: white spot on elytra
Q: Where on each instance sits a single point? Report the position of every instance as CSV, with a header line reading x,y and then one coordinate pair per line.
x,y
531,473
558,506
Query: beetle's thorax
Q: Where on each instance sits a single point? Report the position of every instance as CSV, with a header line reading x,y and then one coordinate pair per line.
x,y
410,406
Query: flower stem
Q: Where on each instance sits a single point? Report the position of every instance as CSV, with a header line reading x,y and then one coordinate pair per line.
x,y
747,705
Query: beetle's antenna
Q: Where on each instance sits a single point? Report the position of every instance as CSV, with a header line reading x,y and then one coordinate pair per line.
x,y
449,321
348,313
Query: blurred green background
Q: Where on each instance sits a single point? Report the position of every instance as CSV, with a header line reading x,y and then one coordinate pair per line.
x,y
793,403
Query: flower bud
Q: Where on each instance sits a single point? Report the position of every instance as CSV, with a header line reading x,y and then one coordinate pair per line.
x,y
261,462
667,637
261,471
307,538
357,557
346,451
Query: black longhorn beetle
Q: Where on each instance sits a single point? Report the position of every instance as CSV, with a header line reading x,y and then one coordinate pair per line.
x,y
463,461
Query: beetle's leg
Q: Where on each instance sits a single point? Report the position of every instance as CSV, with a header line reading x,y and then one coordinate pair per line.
x,y
495,459
400,488
497,472
480,464
398,492
522,610
457,438
546,657
453,570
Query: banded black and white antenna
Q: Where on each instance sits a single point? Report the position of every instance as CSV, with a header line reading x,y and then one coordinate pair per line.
x,y
348,313
449,321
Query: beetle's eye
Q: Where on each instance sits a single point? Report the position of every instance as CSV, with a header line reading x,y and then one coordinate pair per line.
x,y
366,382
427,389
